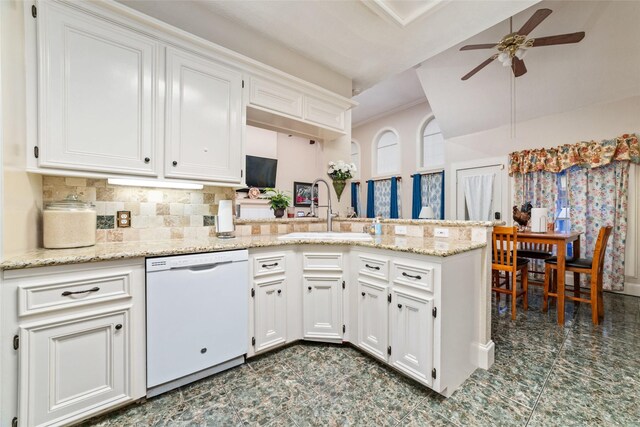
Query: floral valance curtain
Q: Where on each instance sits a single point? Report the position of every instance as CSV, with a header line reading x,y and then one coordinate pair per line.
x,y
590,154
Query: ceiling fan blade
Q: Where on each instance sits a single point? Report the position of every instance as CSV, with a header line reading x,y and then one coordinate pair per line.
x,y
478,46
535,20
518,67
479,67
559,39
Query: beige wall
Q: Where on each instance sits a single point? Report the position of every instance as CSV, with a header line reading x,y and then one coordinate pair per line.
x,y
407,124
22,197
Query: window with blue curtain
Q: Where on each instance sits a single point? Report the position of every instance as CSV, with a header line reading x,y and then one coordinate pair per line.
x,y
428,190
382,190
355,198
371,212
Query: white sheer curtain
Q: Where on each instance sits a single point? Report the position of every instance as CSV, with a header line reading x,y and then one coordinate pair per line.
x,y
478,194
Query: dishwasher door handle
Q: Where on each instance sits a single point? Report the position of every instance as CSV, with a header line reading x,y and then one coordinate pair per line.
x,y
203,267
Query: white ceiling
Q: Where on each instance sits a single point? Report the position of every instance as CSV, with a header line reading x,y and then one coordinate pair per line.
x,y
345,36
393,94
603,67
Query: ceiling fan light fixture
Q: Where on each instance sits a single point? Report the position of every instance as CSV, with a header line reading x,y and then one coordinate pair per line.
x,y
503,56
521,53
507,62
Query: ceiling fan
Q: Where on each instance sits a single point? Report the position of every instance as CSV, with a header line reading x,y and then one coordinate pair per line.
x,y
513,47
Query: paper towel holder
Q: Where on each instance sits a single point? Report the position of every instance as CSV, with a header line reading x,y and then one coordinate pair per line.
x,y
223,234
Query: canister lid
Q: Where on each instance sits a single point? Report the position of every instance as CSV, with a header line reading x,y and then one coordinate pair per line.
x,y
71,203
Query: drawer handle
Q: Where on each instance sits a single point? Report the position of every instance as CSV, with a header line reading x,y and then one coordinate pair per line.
x,y
118,327
279,291
275,264
418,277
363,294
399,305
67,293
373,267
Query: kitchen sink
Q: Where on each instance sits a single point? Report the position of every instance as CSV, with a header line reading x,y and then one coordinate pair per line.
x,y
327,236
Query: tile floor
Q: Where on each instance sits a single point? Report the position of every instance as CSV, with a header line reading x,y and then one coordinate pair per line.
x,y
543,375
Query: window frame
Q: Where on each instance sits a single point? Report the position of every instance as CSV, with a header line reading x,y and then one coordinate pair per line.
x,y
374,154
420,147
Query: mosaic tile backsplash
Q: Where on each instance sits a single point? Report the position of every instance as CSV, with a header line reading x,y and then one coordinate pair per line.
x,y
156,213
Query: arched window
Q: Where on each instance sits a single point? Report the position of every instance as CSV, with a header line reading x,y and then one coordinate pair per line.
x,y
387,153
355,158
431,153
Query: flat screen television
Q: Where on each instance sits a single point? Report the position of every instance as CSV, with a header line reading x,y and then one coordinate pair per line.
x,y
261,172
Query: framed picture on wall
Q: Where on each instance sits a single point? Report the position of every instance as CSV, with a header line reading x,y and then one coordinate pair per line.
x,y
302,194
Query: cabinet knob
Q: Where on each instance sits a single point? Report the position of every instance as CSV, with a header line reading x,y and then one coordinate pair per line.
x,y
399,305
118,327
203,350
174,163
363,294
147,160
279,291
309,288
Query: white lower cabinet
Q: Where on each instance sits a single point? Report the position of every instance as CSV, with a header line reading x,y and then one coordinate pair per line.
x,y
411,333
74,365
270,313
79,342
322,306
373,318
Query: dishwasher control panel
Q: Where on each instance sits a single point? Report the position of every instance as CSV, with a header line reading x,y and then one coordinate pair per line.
x,y
193,260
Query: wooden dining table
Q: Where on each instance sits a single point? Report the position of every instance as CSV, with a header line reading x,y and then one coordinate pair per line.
x,y
560,240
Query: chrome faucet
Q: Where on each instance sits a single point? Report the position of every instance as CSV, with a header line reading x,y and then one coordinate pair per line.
x,y
313,212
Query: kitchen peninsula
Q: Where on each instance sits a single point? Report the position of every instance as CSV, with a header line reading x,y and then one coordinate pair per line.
x,y
414,303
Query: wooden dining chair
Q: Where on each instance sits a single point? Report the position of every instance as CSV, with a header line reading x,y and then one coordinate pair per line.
x,y
505,259
593,266
535,252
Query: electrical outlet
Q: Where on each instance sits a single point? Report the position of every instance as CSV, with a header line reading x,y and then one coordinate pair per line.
x,y
123,219
441,232
401,230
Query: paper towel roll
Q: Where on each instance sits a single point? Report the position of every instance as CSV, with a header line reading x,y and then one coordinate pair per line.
x,y
225,216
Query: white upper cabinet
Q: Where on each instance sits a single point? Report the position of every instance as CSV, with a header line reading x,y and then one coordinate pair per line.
x,y
324,113
276,97
97,94
204,119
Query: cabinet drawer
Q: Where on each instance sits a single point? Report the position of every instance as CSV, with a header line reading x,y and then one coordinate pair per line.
x,y
418,276
63,294
324,113
275,97
268,264
322,261
374,267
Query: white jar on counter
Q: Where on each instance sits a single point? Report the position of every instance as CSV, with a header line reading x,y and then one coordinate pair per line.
x,y
69,223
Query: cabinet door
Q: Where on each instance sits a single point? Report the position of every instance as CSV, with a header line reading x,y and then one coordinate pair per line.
x,y
72,368
322,305
411,334
270,311
97,94
204,119
373,318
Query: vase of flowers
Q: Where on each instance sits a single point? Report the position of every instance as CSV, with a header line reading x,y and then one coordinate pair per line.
x,y
278,200
340,172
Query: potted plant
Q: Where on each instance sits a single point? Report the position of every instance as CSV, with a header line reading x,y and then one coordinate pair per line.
x,y
278,200
340,172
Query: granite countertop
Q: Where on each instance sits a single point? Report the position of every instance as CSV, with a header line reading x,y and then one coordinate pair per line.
x,y
301,219
113,251
443,222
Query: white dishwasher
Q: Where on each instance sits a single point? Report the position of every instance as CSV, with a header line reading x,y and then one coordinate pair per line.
x,y
197,317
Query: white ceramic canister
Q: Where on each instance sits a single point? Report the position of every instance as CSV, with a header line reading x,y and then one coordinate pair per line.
x,y
69,223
